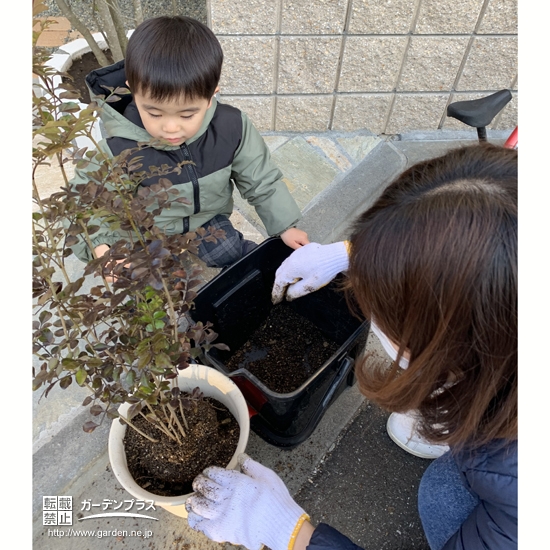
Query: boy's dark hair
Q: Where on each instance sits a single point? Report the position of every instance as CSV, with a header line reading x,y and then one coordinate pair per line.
x,y
169,57
434,263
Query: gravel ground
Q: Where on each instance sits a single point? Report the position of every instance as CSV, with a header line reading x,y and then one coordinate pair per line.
x,y
151,8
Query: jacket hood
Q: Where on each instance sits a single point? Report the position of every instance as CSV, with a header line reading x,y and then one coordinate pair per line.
x,y
102,82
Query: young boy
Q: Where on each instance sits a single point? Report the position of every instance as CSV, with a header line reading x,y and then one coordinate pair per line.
x,y
172,68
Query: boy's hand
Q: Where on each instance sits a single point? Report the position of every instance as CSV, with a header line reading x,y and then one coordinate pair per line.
x,y
100,251
295,238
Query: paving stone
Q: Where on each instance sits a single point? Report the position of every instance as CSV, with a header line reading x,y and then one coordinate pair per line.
x,y
306,173
358,147
274,142
328,216
57,33
331,150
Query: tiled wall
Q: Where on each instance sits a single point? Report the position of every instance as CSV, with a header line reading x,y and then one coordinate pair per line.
x,y
388,66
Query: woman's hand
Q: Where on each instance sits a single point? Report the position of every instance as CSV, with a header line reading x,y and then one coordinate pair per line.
x,y
252,508
308,269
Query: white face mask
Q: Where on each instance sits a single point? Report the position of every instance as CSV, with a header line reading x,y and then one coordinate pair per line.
x,y
388,347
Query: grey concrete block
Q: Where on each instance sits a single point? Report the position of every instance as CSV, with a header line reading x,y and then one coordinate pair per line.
x,y
238,17
258,108
416,112
303,113
361,112
432,63
492,64
448,16
371,64
249,64
308,64
382,17
320,17
501,17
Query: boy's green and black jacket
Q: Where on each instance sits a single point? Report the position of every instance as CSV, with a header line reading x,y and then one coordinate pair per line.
x,y
226,151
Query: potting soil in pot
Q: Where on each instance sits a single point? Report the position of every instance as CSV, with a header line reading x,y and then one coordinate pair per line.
x,y
285,351
80,69
167,468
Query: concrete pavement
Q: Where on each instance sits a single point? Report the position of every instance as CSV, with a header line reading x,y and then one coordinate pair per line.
x,y
348,473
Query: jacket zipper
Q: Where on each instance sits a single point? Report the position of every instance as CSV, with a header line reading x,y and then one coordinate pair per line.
x,y
194,181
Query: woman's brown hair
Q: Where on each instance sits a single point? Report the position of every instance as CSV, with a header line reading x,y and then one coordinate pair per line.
x,y
434,264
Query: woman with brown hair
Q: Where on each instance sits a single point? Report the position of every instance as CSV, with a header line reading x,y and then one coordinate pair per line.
x,y
433,265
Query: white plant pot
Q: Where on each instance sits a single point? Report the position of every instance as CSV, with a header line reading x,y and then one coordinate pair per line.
x,y
213,384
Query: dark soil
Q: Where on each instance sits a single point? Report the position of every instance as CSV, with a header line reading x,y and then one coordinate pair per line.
x,y
80,69
167,468
284,351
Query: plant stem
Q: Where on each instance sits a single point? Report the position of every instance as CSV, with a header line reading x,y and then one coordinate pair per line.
x,y
161,426
158,424
138,430
183,416
175,417
173,318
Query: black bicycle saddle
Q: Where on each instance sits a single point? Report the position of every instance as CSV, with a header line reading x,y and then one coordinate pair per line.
x,y
479,112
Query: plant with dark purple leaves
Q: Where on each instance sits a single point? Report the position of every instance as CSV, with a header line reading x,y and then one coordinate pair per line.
x,y
121,329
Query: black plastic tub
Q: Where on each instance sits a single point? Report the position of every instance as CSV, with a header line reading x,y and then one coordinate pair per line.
x,y
237,301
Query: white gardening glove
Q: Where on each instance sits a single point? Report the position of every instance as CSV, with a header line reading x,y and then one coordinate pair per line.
x,y
252,508
308,269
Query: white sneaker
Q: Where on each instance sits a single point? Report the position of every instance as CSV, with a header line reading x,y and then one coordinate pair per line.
x,y
402,430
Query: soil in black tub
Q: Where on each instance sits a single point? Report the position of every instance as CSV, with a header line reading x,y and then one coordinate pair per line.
x,y
285,351
167,468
